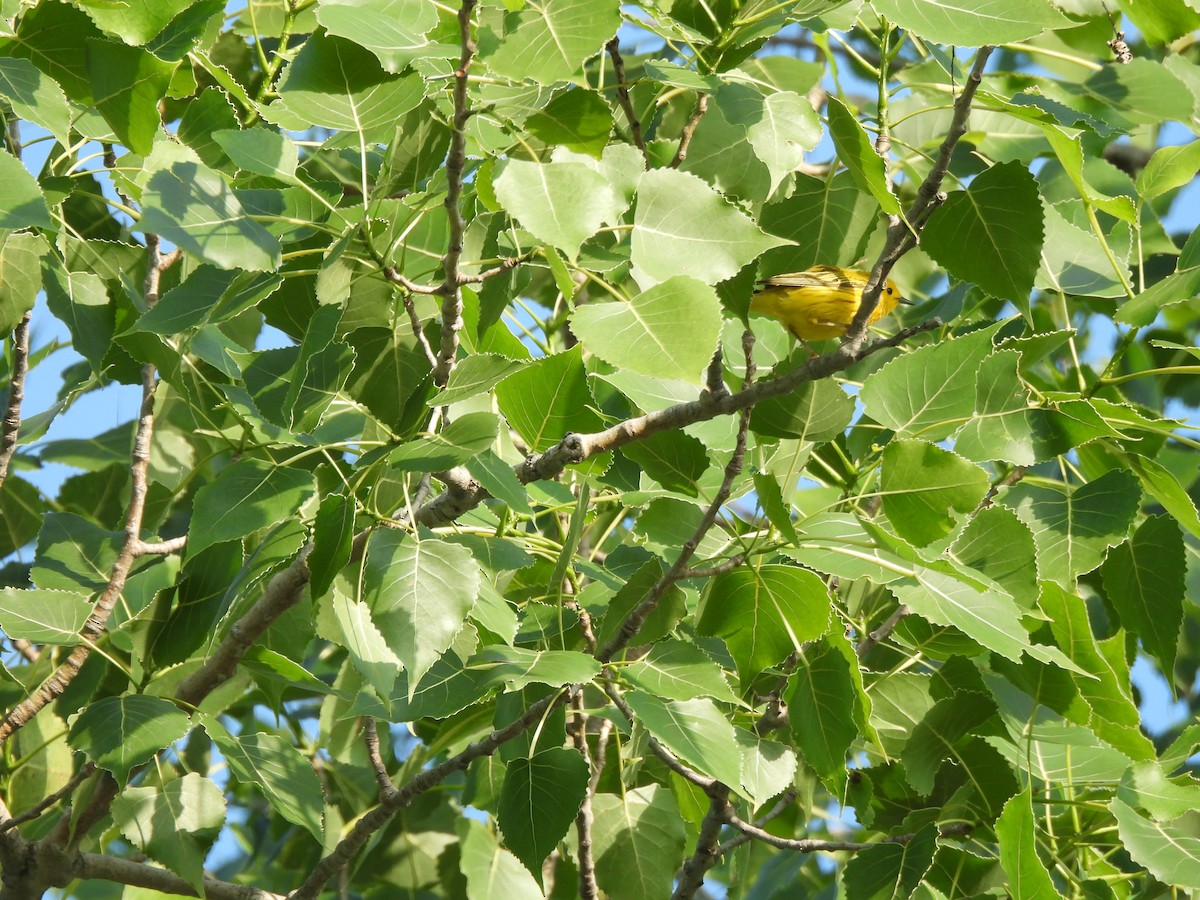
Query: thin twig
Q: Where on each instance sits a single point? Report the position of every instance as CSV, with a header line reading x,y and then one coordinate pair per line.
x,y
669,759
720,569
418,331
45,803
588,890
882,633
704,857
689,130
810,845
58,681
28,651
733,468
635,126
902,234
456,161
161,548
10,428
785,801
371,739
369,823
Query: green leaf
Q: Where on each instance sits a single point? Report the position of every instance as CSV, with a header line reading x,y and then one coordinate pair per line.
x,y
516,667
678,670
1169,168
674,459
966,23
1164,487
683,227
490,870
924,485
473,376
548,399
816,411
21,202
21,515
193,207
578,119
245,497
187,304
821,696
764,614
368,649
782,129
829,219
20,276
169,822
261,151
499,480
898,703
668,331
1170,851
941,735
135,23
856,152
991,233
538,803
887,871
128,83
1144,581
54,36
1147,785
928,393
694,730
1073,527
419,593
1074,261
768,767
286,778
1069,150
458,442
988,617
1113,715
119,733
637,840
561,203
80,300
394,30
35,97
333,534
1145,307
44,616
998,544
1017,833
550,41
336,83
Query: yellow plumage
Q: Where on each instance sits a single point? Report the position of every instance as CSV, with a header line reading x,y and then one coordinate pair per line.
x,y
820,302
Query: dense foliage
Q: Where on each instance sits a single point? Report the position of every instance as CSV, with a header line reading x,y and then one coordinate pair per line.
x,y
466,543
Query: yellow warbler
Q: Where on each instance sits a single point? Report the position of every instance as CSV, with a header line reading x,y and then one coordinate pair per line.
x,y
820,302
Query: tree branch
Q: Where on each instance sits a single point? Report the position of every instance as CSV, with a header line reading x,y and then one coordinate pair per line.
x,y
902,234
57,682
378,817
11,426
635,126
689,130
691,876
575,448
124,871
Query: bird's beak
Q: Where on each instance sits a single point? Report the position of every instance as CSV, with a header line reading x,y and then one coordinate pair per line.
x,y
907,302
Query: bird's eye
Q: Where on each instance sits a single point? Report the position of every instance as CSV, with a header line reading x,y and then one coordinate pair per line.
x,y
889,290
